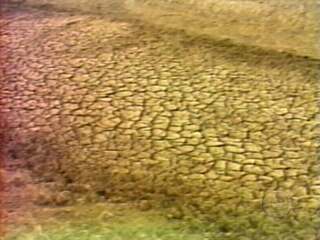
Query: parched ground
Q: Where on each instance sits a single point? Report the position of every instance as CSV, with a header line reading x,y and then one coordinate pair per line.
x,y
98,109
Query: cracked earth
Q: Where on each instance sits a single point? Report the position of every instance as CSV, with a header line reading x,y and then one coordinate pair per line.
x,y
130,112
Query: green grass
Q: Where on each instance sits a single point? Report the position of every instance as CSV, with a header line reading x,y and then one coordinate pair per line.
x,y
115,231
260,226
103,222
108,233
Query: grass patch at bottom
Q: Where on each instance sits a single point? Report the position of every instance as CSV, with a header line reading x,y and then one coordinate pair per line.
x,y
121,222
259,226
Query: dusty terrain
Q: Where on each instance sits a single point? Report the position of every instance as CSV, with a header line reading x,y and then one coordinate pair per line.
x,y
281,25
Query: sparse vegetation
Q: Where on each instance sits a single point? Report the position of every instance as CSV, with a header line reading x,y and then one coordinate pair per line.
x,y
122,222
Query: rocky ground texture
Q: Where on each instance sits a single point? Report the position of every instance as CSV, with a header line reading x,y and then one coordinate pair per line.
x,y
117,109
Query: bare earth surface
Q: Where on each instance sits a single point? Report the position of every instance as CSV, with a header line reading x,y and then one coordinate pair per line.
x,y
101,112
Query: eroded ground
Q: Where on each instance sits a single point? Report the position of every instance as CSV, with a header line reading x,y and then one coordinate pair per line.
x,y
122,111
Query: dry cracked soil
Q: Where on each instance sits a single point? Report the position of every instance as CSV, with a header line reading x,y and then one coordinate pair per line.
x,y
101,116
